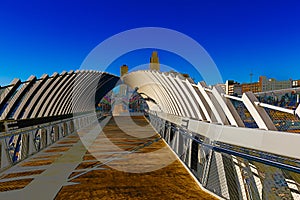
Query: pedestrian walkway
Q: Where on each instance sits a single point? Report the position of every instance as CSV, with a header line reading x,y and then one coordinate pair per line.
x,y
117,165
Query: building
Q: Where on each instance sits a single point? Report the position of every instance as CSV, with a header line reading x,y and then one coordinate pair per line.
x,y
295,83
229,87
223,86
154,61
263,85
273,84
253,87
233,88
123,70
123,87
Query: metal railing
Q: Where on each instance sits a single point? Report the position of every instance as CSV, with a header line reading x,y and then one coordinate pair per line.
x,y
232,172
284,119
17,145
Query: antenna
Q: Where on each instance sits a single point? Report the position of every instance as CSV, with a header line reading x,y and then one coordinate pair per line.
x,y
251,75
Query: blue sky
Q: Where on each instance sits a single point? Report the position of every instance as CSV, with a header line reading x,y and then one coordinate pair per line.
x,y
241,36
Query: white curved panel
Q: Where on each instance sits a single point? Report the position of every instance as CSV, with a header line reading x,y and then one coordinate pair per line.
x,y
146,80
209,102
67,100
29,96
205,115
173,107
17,97
260,116
63,98
53,98
151,93
194,104
47,104
38,110
79,85
7,92
185,96
178,93
38,96
174,95
166,105
230,112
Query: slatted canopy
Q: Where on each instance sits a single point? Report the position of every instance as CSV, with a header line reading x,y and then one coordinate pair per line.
x,y
56,95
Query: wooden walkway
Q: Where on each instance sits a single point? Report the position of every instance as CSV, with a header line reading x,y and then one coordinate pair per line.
x,y
117,165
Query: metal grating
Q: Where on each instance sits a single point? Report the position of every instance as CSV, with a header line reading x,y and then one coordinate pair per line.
x,y
244,114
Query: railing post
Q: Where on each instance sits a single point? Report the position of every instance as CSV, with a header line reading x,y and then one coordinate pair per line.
x,y
47,136
31,145
259,114
24,145
5,159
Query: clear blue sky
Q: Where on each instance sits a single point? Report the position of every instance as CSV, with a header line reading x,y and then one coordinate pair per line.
x,y
241,36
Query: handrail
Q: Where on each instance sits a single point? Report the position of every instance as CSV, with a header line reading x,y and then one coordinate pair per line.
x,y
222,168
265,105
12,141
30,128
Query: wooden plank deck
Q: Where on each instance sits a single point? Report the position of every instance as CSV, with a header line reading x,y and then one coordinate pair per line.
x,y
117,165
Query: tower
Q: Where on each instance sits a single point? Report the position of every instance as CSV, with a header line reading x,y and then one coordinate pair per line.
x,y
123,70
123,87
154,61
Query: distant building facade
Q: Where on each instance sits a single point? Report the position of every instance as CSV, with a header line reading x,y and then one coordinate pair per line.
x,y
273,84
232,88
253,87
263,85
295,83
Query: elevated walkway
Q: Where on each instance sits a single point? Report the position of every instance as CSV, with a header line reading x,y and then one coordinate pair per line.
x,y
117,165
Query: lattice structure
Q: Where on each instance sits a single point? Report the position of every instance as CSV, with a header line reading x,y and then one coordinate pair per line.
x,y
244,114
284,98
284,121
